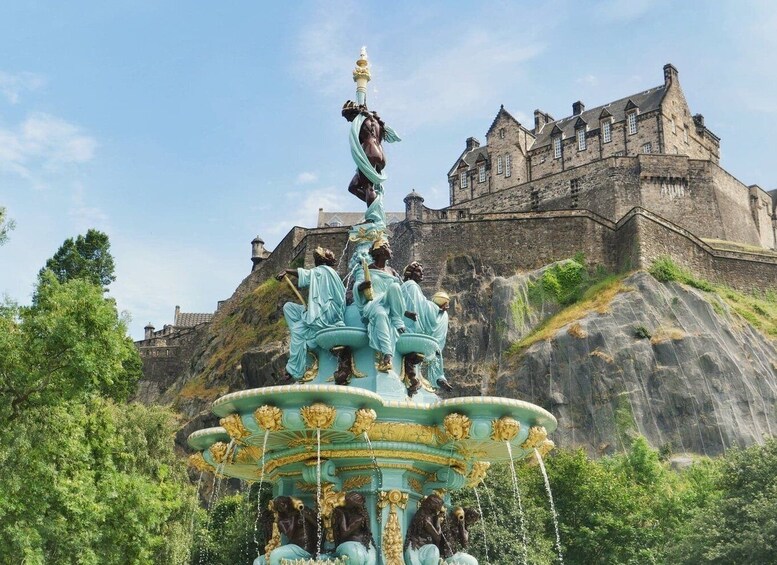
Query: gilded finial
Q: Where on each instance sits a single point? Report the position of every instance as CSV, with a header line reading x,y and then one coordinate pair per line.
x,y
361,76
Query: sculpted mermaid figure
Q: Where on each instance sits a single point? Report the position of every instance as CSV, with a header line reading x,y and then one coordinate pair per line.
x,y
351,529
455,536
298,526
424,536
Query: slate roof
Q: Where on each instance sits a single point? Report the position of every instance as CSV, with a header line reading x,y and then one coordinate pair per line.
x,y
646,101
470,158
325,219
190,319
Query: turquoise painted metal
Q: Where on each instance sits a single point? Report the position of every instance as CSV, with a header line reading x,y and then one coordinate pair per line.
x,y
315,440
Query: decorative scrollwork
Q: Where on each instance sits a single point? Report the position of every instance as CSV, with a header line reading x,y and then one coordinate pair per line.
x,y
505,429
416,485
392,533
365,418
537,434
248,454
269,417
457,426
318,415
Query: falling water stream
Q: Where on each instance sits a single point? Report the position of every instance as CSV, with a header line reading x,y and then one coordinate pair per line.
x,y
259,490
552,505
320,532
517,496
378,474
482,524
218,477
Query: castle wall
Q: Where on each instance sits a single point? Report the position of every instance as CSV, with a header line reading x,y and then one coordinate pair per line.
x,y
695,194
165,359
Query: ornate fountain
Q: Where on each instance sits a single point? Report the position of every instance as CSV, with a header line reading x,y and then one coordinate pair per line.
x,y
361,452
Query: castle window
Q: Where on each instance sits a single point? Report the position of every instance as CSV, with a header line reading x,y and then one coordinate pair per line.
x,y
674,127
508,168
606,132
685,134
557,147
631,119
574,189
501,133
647,148
482,173
463,181
499,165
535,200
581,139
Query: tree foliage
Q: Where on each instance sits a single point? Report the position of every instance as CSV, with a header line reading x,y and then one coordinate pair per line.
x,y
6,225
69,344
93,481
85,257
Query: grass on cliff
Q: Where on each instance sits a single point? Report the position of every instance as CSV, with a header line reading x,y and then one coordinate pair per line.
x,y
595,298
256,320
759,309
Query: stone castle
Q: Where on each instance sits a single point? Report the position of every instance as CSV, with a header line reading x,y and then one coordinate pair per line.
x,y
623,183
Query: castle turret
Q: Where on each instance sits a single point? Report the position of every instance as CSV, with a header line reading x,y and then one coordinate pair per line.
x,y
258,252
670,74
414,206
149,329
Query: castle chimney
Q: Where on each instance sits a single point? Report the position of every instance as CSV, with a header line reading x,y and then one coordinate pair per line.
x,y
698,120
540,119
149,329
175,318
670,74
472,143
577,108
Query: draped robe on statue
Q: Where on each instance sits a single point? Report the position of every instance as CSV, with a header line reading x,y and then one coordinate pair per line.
x,y
325,309
384,313
431,321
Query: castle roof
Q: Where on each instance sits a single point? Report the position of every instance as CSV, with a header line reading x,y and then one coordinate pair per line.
x,y
470,158
646,101
338,219
501,112
190,319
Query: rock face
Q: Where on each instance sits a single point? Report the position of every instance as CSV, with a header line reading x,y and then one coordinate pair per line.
x,y
659,359
662,360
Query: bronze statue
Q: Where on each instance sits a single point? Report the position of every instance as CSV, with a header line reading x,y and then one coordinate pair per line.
x,y
431,320
424,536
298,524
455,536
371,134
351,529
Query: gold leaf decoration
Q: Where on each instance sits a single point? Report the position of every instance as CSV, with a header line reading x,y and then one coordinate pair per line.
x,y
416,485
365,418
235,428
219,452
457,426
269,417
505,429
318,415
406,432
392,533
537,434
197,461
248,454
356,481
478,473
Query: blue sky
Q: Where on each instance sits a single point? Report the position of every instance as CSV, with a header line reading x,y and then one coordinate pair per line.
x,y
185,129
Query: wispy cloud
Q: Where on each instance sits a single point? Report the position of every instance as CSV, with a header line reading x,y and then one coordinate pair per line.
x,y
13,84
306,178
588,80
83,214
620,11
459,76
300,208
43,143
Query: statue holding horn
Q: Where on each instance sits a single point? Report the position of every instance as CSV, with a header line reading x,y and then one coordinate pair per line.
x,y
325,307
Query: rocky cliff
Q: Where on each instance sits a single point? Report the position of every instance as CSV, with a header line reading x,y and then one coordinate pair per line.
x,y
611,357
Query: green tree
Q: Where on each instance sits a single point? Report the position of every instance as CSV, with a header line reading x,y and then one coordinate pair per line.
x,y
740,525
87,257
93,482
69,344
6,225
